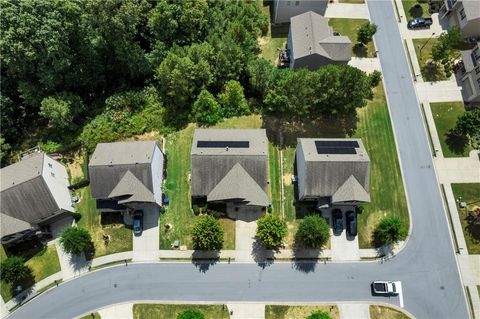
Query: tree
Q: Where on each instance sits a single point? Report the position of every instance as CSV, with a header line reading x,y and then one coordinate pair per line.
x,y
313,231
445,43
191,314
468,123
366,32
233,100
319,315
60,110
375,77
206,110
260,73
271,230
391,229
75,240
207,234
13,270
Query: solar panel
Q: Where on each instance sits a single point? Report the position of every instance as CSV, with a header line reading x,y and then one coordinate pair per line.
x,y
223,144
336,150
336,144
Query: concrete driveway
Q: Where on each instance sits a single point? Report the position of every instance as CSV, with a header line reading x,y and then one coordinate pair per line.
x,y
146,246
343,246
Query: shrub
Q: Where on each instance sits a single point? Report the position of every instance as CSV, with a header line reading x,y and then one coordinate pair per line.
x,y
75,240
207,234
319,315
365,32
271,230
313,231
76,216
391,229
13,270
375,77
191,314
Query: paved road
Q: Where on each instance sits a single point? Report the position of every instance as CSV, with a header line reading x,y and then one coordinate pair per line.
x,y
426,267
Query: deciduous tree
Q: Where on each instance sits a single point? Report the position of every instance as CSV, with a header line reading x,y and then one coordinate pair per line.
x,y
206,110
468,123
191,314
13,270
232,100
313,231
271,230
207,234
75,240
366,32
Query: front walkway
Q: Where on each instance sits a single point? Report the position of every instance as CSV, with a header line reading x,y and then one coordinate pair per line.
x,y
354,311
441,91
120,311
147,245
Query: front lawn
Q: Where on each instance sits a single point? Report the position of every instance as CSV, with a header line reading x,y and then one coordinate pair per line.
x,y
298,312
42,260
445,115
157,311
349,28
413,12
109,224
382,312
469,193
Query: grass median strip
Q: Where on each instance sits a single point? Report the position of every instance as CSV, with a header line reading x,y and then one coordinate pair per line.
x,y
299,312
171,311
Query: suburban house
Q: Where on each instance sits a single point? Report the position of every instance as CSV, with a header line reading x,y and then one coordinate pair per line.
x,y
125,176
312,43
34,195
283,10
462,13
332,172
230,167
469,75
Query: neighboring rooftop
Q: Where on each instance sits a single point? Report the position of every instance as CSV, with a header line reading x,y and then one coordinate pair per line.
x,y
229,141
119,153
311,34
21,171
333,149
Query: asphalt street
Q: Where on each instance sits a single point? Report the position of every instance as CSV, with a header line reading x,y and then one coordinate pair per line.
x,y
426,266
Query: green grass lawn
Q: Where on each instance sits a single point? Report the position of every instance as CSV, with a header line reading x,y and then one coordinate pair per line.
x,y
229,233
298,312
386,185
445,115
470,193
273,40
352,1
382,312
42,260
157,311
349,28
120,235
275,178
412,12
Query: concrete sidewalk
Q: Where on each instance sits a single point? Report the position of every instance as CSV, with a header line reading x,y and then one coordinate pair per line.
x,y
71,265
441,91
367,65
354,311
246,311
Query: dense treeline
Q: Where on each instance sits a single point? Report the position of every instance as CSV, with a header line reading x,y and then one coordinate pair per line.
x,y
80,72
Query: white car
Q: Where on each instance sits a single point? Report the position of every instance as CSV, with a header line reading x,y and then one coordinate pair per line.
x,y
385,287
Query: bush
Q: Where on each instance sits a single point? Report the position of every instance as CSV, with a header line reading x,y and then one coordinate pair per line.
x,y
366,32
319,315
391,229
314,231
271,230
207,234
76,216
191,314
375,77
75,240
14,270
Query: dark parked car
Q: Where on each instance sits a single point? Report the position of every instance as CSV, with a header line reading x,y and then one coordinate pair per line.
x,y
137,222
351,223
337,221
418,23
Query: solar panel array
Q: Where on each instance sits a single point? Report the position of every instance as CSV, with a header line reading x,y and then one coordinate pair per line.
x,y
336,147
223,144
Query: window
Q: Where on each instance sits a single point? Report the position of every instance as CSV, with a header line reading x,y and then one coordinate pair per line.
x,y
462,14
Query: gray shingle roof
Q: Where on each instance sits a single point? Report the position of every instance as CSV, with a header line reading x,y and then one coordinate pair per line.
x,y
472,9
351,190
121,153
238,185
210,165
25,196
110,162
311,34
130,186
328,175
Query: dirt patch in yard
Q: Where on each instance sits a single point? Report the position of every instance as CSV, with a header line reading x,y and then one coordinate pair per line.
x,y
74,166
149,136
287,179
